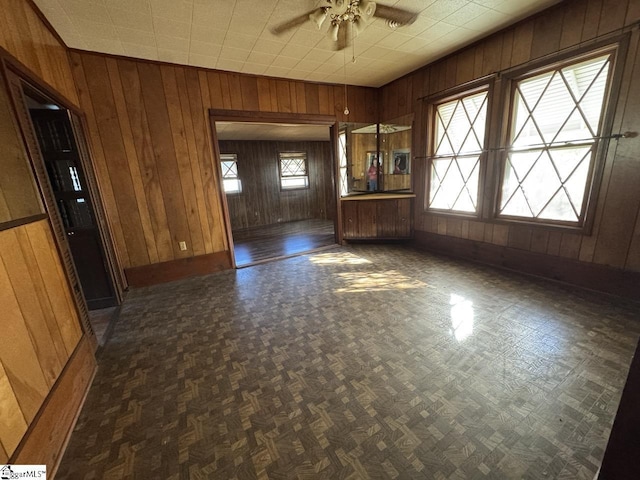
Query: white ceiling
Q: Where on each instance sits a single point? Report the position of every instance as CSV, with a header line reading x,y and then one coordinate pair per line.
x,y
234,35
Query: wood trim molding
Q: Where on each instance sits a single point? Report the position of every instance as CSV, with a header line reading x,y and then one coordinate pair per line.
x,y
218,115
48,435
35,81
600,278
178,269
22,221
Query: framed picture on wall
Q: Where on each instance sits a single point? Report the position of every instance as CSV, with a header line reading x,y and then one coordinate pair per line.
x,y
401,164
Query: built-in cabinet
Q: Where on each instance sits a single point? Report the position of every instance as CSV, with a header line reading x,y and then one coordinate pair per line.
x,y
377,217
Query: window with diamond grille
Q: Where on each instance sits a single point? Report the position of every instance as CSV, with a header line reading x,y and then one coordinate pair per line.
x,y
230,180
459,144
555,124
293,170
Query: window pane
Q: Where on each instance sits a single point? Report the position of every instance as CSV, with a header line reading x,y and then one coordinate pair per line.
x,y
232,185
295,182
556,121
459,134
230,179
293,170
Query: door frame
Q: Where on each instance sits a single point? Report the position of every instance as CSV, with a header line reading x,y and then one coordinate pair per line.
x,y
223,115
17,77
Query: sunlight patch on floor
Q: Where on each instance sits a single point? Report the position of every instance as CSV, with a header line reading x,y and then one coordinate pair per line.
x,y
338,258
377,282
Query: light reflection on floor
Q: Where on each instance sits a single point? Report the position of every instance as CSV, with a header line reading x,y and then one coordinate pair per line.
x,y
461,317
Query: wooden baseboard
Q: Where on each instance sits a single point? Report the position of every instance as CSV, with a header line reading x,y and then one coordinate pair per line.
x,y
178,269
47,437
587,275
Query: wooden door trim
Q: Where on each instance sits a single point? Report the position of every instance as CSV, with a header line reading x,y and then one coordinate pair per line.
x,y
11,64
221,115
223,197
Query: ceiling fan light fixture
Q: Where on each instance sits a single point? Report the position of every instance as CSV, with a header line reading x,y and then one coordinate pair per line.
x,y
338,7
367,9
318,17
333,31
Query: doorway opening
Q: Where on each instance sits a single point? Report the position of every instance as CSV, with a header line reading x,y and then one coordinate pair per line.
x,y
74,203
279,185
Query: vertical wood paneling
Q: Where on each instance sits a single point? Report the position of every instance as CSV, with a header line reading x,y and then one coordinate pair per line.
x,y
117,162
40,327
155,104
194,156
38,280
522,41
592,19
13,425
51,361
195,241
26,38
148,193
18,355
258,171
130,148
573,20
150,127
547,31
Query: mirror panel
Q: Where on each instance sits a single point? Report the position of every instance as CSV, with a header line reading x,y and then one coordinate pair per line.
x,y
365,169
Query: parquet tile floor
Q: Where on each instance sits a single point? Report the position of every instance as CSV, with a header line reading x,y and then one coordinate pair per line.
x,y
369,361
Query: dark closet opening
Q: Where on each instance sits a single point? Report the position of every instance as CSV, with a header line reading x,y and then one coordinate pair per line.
x,y
57,143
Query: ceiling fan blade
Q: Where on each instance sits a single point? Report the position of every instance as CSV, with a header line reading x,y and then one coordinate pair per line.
x,y
293,23
399,16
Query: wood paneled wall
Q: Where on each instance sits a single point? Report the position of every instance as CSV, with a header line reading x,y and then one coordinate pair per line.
x,y
40,326
27,38
151,142
261,201
615,239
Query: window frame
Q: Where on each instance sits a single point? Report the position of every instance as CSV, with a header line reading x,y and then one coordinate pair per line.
x,y
237,177
306,168
617,48
431,104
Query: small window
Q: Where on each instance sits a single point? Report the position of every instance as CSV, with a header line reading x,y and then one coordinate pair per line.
x,y
459,142
230,180
293,170
555,123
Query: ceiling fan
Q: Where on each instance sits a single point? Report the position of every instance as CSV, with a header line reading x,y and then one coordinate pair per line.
x,y
347,18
